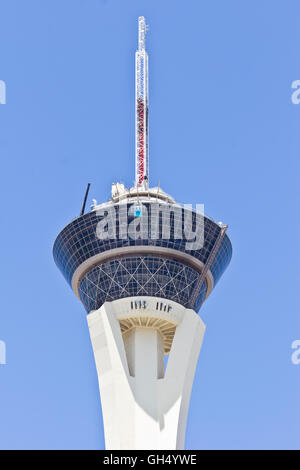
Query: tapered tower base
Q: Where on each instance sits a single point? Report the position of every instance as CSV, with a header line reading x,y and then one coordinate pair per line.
x,y
144,403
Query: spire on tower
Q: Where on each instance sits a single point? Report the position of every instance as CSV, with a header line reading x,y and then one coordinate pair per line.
x,y
141,110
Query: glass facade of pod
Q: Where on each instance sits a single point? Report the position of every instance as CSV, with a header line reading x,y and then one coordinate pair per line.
x,y
151,224
140,275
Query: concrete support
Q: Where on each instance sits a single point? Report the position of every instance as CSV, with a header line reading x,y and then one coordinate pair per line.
x,y
143,405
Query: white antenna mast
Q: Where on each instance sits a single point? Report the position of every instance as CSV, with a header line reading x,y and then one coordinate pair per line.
x,y
141,110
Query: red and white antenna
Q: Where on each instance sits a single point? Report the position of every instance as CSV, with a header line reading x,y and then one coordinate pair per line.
x,y
141,110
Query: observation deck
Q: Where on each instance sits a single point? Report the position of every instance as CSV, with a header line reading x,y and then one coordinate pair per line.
x,y
140,243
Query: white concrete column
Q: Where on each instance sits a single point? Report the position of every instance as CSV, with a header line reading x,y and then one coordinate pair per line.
x,y
144,407
145,357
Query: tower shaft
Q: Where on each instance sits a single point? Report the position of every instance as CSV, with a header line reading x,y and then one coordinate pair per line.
x,y
141,109
143,405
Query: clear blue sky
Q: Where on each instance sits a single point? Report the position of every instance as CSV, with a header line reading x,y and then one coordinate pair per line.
x,y
223,132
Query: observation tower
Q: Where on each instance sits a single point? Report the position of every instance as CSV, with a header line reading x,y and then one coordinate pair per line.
x,y
143,265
